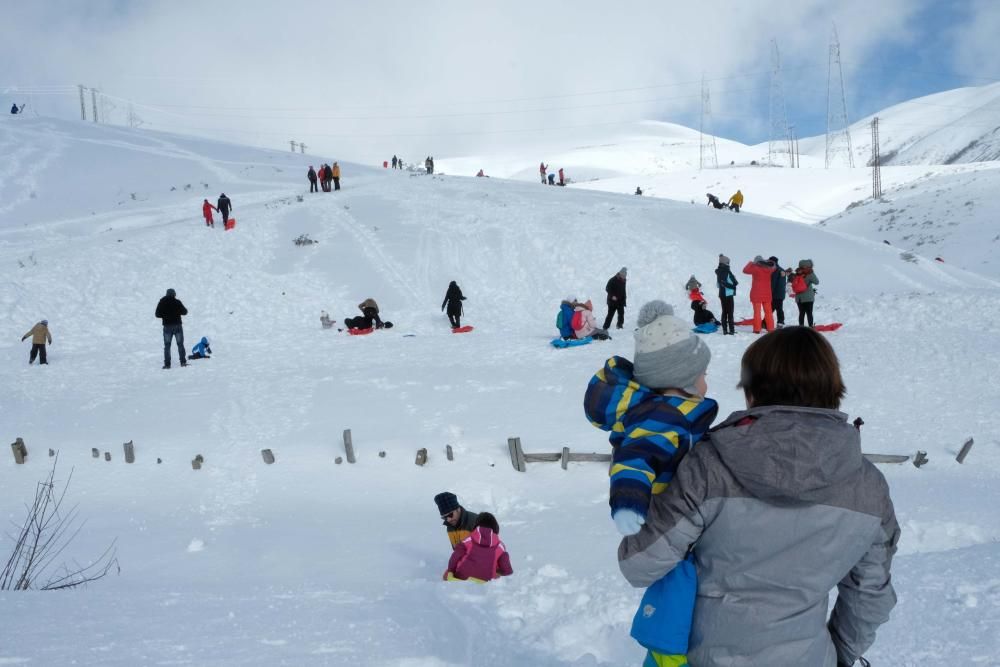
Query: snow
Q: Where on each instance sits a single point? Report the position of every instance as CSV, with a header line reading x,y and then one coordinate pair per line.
x,y
308,562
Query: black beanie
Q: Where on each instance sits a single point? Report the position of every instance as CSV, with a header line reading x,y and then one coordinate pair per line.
x,y
447,502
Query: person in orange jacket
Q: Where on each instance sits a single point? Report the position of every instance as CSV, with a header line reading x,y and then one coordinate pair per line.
x,y
206,210
760,270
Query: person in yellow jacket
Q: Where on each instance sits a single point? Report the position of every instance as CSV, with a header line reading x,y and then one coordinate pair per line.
x,y
736,201
336,176
39,337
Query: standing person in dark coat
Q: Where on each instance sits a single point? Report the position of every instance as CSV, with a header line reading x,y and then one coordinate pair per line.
x,y
224,205
453,301
727,283
779,281
395,161
312,179
616,298
459,520
170,309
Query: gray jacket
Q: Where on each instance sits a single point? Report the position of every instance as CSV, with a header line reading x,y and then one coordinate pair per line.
x,y
779,507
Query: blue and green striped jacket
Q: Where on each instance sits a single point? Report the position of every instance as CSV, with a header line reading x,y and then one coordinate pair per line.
x,y
649,432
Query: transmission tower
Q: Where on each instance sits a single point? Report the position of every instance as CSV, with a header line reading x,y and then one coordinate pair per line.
x,y
707,155
838,133
779,120
876,162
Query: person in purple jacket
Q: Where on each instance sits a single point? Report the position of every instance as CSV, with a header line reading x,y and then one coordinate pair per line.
x,y
481,556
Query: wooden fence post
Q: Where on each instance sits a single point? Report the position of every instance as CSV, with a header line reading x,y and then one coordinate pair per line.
x,y
268,456
965,451
20,451
349,446
52,452
421,456
449,453
95,452
197,461
338,460
920,458
565,457
107,456
129,452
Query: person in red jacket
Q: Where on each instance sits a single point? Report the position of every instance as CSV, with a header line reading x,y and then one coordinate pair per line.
x,y
562,177
760,291
206,210
481,556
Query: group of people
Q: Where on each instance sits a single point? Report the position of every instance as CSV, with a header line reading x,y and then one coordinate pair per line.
x,y
550,179
397,163
224,206
477,553
734,204
739,531
327,177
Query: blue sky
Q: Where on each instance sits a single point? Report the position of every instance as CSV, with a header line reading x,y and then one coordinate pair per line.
x,y
450,77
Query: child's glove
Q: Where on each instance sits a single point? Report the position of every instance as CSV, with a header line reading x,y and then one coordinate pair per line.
x,y
628,522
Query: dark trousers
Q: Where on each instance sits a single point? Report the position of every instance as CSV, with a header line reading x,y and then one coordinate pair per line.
x,y
613,308
734,207
456,320
171,331
805,312
779,311
728,323
225,215
37,350
336,182
312,186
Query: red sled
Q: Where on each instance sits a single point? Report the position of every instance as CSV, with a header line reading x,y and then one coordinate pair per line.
x,y
466,329
360,332
230,224
828,327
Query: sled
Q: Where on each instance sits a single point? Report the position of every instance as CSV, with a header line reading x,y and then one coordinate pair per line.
x,y
744,323
466,329
833,326
360,332
559,343
230,224
706,328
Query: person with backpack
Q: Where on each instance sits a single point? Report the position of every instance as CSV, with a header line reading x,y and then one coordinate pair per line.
x,y
726,282
564,318
776,507
779,280
803,287
453,299
616,298
206,210
169,310
39,337
311,175
760,270
224,206
583,323
481,556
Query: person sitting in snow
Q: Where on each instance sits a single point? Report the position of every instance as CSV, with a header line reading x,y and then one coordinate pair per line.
x,y
14,109
369,317
201,350
564,318
459,520
714,201
655,410
453,299
702,315
583,323
481,556
638,191
325,321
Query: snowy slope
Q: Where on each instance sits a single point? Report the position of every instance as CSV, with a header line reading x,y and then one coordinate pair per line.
x,y
309,563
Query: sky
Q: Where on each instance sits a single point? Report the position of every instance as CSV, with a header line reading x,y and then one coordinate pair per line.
x,y
364,81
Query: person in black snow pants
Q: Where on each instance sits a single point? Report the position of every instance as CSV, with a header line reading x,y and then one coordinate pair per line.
x,y
170,309
453,301
779,282
616,298
727,291
312,180
225,206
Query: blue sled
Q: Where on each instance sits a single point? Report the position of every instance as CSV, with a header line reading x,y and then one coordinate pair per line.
x,y
706,328
573,342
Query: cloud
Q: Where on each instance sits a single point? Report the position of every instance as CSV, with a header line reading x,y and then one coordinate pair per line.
x,y
975,40
365,80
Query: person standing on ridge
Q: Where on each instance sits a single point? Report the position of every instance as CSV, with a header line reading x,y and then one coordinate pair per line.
x,y
453,299
335,175
312,179
727,283
169,310
224,206
39,337
736,201
616,298
206,210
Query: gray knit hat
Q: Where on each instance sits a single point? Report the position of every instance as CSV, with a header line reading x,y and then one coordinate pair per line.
x,y
723,259
623,271
667,353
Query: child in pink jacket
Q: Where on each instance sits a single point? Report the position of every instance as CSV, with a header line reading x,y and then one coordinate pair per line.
x,y
481,556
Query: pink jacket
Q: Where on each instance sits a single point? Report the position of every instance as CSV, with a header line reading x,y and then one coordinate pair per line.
x,y
586,322
480,556
760,290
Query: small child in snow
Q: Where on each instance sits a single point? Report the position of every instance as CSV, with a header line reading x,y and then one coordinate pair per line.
x,y
655,410
201,350
39,337
693,288
481,556
702,315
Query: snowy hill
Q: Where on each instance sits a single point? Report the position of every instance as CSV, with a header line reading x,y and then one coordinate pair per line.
x,y
308,562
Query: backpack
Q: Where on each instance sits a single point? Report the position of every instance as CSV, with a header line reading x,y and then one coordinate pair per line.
x,y
799,284
564,321
577,321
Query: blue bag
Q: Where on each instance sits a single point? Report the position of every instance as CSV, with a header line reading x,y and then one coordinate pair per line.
x,y
663,621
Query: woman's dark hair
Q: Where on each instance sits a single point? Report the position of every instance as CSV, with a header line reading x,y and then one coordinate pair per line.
x,y
792,366
488,520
